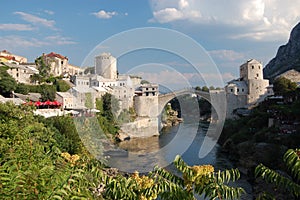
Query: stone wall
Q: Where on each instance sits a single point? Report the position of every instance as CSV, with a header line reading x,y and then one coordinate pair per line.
x,y
141,127
146,106
234,102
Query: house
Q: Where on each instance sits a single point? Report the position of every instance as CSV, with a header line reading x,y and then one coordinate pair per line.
x,y
66,99
59,65
8,57
21,73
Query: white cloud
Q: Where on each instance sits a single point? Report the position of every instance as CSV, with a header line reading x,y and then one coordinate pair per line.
x,y
49,12
258,19
179,11
36,20
15,41
102,14
176,80
226,55
59,40
16,27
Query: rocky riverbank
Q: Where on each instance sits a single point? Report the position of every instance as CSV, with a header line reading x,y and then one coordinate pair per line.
x,y
170,117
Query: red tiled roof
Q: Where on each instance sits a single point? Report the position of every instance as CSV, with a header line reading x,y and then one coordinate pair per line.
x,y
9,57
52,54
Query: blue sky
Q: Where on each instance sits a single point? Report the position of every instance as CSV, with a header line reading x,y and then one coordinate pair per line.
x,y
230,31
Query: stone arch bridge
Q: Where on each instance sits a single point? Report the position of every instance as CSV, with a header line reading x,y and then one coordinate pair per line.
x,y
216,98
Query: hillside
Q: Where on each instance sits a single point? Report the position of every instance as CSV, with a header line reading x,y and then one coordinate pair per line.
x,y
287,57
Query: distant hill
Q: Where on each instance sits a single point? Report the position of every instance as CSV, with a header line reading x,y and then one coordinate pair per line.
x,y
287,57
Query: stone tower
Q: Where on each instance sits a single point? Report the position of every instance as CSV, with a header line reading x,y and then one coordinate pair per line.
x,y
252,69
106,66
252,73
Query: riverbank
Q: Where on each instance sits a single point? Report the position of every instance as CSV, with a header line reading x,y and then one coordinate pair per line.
x,y
251,140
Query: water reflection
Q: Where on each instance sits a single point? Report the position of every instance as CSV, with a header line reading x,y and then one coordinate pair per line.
x,y
143,154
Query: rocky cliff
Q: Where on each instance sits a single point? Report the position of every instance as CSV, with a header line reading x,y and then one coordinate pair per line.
x,y
287,57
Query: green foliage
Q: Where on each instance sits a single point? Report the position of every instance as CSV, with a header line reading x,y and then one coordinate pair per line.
x,y
200,180
7,83
89,70
47,92
284,86
106,117
22,89
65,133
43,68
61,85
205,89
110,106
292,161
145,82
88,100
32,166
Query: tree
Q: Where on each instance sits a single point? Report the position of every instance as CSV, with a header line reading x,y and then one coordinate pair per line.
x,y
195,180
44,69
205,89
211,88
61,85
110,106
22,88
292,161
7,83
47,92
145,82
198,88
284,86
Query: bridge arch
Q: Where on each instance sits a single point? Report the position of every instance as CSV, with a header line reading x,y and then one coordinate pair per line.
x,y
217,100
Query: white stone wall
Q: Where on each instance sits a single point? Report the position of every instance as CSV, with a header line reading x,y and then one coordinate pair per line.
x,y
252,69
142,127
256,89
106,66
82,81
234,102
146,106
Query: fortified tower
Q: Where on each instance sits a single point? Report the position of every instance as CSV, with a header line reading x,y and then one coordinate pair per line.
x,y
249,89
106,66
252,73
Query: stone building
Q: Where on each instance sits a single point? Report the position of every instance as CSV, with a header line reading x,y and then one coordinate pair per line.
x,y
6,56
66,99
59,65
106,66
146,94
21,73
247,90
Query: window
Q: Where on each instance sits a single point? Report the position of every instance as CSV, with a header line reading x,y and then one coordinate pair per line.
x,y
153,88
146,88
257,75
231,90
238,90
258,67
17,74
252,66
243,90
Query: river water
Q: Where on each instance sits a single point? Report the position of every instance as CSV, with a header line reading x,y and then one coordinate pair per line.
x,y
143,154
